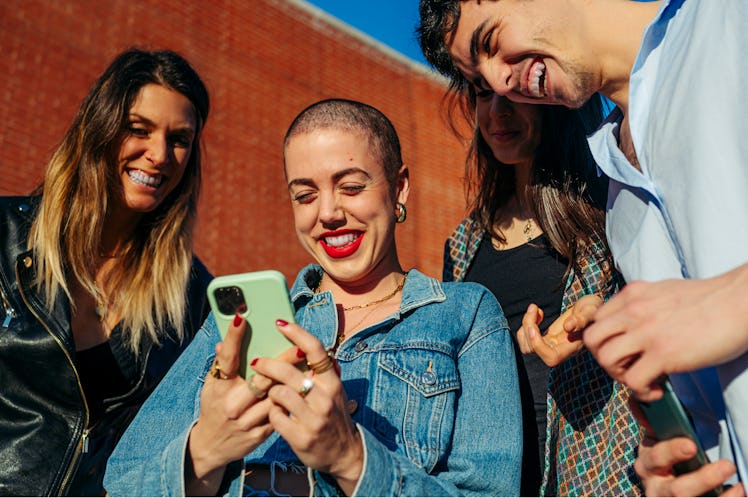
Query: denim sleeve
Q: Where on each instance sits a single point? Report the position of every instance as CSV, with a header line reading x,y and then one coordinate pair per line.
x,y
486,453
149,459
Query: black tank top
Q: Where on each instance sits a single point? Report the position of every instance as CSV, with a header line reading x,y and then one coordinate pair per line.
x,y
530,273
101,376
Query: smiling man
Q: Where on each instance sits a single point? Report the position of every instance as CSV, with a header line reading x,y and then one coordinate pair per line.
x,y
676,154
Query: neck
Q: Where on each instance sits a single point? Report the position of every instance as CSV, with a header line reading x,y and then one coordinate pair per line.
x,y
618,27
522,174
118,229
365,289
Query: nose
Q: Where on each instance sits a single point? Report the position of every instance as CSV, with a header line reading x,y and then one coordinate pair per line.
x,y
331,213
499,78
158,150
501,106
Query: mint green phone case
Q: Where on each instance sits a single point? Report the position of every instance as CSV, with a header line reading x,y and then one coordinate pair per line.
x,y
261,298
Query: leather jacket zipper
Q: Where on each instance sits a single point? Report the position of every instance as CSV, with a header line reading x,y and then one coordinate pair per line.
x,y
82,446
10,313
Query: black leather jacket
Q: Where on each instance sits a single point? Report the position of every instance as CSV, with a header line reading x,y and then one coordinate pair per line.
x,y
45,445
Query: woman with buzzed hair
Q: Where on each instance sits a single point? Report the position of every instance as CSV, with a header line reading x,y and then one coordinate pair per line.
x,y
410,387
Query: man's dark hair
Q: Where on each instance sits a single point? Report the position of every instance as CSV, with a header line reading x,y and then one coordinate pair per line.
x,y
438,18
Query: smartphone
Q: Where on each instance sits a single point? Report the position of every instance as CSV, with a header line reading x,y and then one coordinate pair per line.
x,y
261,298
669,419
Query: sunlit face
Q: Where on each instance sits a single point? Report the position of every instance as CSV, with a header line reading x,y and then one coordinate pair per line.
x,y
343,205
156,148
526,50
510,129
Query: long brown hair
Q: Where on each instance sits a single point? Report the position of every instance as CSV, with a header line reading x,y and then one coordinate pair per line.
x,y
566,195
148,285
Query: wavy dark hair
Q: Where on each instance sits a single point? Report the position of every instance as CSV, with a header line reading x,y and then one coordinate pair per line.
x,y
566,195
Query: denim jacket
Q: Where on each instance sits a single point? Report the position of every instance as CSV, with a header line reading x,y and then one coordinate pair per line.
x,y
435,385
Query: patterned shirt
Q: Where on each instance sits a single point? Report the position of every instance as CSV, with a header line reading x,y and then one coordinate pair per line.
x,y
591,437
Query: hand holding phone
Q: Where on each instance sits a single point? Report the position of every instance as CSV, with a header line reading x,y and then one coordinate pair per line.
x,y
260,298
668,420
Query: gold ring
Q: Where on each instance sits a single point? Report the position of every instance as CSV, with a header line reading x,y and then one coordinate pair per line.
x,y
256,391
215,370
321,366
306,386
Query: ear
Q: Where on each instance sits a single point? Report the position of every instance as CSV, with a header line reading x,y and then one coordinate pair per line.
x,y
403,184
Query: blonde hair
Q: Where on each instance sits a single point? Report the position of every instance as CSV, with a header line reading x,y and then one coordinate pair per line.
x,y
148,284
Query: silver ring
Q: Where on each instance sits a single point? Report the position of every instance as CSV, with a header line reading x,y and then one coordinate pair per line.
x,y
306,386
256,391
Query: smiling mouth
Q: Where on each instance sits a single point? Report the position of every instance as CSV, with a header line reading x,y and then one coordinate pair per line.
x,y
340,241
536,80
342,245
142,178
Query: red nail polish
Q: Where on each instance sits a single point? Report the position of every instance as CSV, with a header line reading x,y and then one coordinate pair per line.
x,y
253,362
237,320
281,323
300,353
336,366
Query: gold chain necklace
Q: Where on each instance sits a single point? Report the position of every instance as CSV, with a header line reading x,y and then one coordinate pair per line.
x,y
378,301
341,337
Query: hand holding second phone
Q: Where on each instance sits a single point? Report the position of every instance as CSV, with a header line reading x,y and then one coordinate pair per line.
x,y
564,336
310,411
233,418
656,459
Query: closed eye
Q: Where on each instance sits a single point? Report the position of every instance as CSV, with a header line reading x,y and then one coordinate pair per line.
x,y
352,189
181,140
304,197
138,131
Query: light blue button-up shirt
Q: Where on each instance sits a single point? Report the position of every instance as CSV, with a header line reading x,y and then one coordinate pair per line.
x,y
685,214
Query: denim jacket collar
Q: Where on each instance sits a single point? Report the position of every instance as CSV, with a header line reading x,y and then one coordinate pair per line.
x,y
419,290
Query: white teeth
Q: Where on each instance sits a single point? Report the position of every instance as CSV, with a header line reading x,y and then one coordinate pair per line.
x,y
536,73
340,240
140,177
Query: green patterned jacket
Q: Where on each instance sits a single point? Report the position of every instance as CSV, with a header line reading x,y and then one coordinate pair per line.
x,y
591,437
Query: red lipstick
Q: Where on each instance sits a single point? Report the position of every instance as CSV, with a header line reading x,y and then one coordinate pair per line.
x,y
341,251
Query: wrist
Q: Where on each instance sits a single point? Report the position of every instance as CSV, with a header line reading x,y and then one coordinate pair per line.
x,y
350,467
203,475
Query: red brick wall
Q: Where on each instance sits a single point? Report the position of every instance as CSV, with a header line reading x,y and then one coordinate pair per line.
x,y
263,61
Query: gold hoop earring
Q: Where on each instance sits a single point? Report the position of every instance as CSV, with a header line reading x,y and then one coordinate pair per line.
x,y
400,213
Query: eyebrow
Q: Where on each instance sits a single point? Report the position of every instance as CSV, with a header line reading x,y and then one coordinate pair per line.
x,y
187,127
475,42
336,177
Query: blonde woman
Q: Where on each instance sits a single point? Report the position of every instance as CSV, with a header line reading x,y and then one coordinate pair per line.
x,y
100,288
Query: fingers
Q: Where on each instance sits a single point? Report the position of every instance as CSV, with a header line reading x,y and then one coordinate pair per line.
x,y
737,490
307,343
228,350
583,313
530,321
660,456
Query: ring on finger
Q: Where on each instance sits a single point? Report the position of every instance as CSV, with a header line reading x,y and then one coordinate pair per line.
x,y
306,386
215,371
256,391
321,366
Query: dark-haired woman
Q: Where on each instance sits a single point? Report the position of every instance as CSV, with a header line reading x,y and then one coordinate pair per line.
x,y
535,237
99,287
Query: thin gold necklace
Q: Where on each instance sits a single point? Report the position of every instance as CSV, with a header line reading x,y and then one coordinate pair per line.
x,y
378,301
341,336
528,230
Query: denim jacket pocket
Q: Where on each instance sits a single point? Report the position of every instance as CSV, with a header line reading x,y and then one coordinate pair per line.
x,y
415,399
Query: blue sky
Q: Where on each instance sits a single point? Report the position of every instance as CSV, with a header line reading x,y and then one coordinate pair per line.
x,y
392,22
